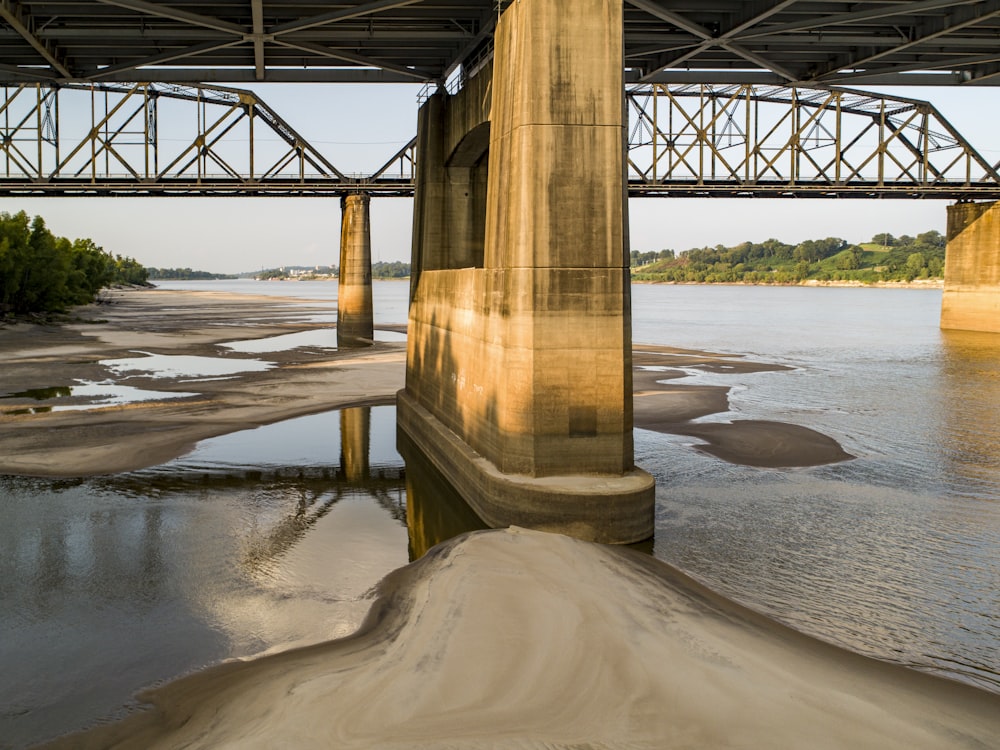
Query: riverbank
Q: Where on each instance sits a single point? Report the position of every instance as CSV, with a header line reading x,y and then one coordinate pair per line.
x,y
915,284
521,639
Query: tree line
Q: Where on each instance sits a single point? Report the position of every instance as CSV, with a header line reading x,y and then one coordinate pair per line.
x,y
885,258
40,272
186,274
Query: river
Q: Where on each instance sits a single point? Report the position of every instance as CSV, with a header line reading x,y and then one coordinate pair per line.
x,y
267,538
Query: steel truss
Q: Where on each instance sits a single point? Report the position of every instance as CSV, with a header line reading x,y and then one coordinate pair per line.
x,y
776,141
690,140
160,139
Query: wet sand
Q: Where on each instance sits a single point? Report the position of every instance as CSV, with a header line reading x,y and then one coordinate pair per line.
x,y
304,381
113,439
522,639
662,406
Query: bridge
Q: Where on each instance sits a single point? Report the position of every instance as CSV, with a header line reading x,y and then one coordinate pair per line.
x,y
733,140
518,367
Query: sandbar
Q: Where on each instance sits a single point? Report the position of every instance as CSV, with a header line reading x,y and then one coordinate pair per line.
x,y
523,639
112,439
662,405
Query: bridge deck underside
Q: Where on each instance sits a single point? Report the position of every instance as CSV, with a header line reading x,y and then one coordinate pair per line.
x,y
812,42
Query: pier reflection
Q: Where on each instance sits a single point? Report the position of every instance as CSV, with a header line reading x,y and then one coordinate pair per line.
x,y
255,540
970,443
435,512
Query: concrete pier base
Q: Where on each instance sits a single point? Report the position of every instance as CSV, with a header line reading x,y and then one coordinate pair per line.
x,y
971,299
355,317
519,372
597,508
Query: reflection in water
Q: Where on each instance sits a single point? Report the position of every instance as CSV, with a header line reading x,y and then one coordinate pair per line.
x,y
87,395
435,511
969,411
112,584
355,431
41,394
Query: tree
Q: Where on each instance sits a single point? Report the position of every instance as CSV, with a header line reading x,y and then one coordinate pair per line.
x,y
40,272
849,259
915,263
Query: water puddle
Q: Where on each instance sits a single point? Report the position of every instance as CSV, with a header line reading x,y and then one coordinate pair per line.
x,y
390,336
94,395
319,338
183,366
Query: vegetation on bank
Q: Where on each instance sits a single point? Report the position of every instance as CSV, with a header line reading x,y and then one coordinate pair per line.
x,y
885,258
42,273
185,274
390,270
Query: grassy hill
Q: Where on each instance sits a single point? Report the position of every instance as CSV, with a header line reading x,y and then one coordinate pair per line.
x,y
774,262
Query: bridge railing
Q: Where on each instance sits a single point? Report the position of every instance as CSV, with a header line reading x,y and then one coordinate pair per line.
x,y
773,140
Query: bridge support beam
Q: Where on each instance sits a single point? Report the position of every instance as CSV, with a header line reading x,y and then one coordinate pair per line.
x,y
355,319
971,300
519,384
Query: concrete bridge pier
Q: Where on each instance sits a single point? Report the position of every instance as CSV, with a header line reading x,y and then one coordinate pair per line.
x,y
355,320
519,386
971,300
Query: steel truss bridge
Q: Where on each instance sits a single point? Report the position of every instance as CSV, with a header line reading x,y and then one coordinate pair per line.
x,y
689,140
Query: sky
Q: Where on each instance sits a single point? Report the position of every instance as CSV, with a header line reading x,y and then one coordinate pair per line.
x,y
360,126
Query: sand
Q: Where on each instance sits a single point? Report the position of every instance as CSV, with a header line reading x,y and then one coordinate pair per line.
x,y
522,639
304,381
663,406
122,438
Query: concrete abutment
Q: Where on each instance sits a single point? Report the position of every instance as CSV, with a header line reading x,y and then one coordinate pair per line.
x,y
519,383
971,299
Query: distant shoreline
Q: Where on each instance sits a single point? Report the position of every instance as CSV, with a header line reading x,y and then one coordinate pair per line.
x,y
921,284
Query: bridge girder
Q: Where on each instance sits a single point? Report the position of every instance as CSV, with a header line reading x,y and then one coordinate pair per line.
x,y
692,140
802,42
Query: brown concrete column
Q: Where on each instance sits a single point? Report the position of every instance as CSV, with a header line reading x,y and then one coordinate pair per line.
x,y
519,371
355,326
971,300
555,224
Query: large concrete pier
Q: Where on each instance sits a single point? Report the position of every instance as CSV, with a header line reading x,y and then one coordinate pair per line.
x,y
355,318
971,300
519,362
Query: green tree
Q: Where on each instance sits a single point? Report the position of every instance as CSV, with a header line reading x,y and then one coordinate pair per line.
x,y
915,263
40,272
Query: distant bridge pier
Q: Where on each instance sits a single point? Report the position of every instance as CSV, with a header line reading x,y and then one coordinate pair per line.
x,y
971,300
518,383
355,318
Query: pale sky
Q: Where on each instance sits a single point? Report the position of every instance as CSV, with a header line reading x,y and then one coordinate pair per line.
x,y
360,126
